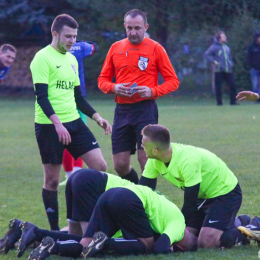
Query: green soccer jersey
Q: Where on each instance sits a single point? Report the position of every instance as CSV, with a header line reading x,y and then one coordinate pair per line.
x,y
192,165
60,72
112,182
164,216
116,181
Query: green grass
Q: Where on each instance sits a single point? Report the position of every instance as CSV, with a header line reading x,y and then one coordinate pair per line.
x,y
232,132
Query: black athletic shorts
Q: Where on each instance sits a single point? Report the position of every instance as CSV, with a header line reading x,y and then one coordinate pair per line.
x,y
51,149
120,208
218,213
83,190
129,120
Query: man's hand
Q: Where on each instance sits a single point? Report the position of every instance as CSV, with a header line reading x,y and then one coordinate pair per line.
x,y
121,90
144,92
62,132
247,95
102,123
216,63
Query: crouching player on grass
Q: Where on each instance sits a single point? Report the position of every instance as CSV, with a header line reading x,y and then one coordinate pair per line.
x,y
212,195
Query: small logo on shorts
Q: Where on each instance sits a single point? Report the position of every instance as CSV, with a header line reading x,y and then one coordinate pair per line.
x,y
213,221
94,143
58,66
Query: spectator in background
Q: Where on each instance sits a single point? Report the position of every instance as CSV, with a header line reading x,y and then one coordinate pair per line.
x,y
81,50
219,54
253,59
7,57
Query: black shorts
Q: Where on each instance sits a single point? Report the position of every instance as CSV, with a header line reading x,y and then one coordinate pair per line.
x,y
51,149
129,120
83,190
120,208
218,213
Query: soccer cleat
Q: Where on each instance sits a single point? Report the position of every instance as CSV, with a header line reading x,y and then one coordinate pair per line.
x,y
250,233
43,250
244,219
64,182
12,235
255,221
27,237
95,246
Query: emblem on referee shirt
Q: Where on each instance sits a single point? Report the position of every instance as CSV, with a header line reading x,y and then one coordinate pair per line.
x,y
74,68
143,63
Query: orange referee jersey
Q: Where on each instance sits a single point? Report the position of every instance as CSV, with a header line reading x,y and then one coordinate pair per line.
x,y
138,63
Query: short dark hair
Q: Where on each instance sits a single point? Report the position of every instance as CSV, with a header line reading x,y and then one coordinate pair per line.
x,y
158,134
61,20
7,47
134,12
217,35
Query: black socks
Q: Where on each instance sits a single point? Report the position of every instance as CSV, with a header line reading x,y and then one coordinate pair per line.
x,y
50,201
132,176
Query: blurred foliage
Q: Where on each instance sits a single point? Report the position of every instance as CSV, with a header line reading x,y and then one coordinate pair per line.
x,y
178,25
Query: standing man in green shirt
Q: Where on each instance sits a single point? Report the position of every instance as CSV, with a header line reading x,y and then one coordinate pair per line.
x,y
212,195
57,121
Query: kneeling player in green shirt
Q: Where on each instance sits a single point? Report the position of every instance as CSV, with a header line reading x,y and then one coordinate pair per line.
x,y
212,195
142,215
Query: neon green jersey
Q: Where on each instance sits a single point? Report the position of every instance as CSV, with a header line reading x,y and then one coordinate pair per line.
x,y
192,165
164,216
115,181
112,182
60,72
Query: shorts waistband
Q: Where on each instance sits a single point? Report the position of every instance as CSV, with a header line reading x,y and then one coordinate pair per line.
x,y
136,105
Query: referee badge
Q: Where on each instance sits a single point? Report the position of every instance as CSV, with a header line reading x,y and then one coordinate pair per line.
x,y
143,63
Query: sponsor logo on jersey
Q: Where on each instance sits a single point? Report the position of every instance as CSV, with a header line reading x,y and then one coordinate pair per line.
x,y
76,48
143,63
61,84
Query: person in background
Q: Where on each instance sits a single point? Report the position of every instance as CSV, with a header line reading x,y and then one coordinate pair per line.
x,y
253,59
81,50
219,54
7,57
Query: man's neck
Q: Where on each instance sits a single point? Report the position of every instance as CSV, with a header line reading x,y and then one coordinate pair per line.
x,y
166,156
54,46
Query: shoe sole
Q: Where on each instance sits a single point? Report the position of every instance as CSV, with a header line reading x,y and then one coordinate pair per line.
x,y
249,233
36,253
95,246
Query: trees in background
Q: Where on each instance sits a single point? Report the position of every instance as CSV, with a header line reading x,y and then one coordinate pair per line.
x,y
184,27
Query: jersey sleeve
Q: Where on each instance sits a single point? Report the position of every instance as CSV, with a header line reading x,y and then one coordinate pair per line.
x,y
164,66
107,73
40,69
88,49
175,231
150,170
191,172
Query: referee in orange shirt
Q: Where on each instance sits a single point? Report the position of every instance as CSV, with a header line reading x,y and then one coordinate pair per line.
x,y
136,59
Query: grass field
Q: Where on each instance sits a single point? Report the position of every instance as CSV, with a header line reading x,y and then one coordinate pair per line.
x,y
232,132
